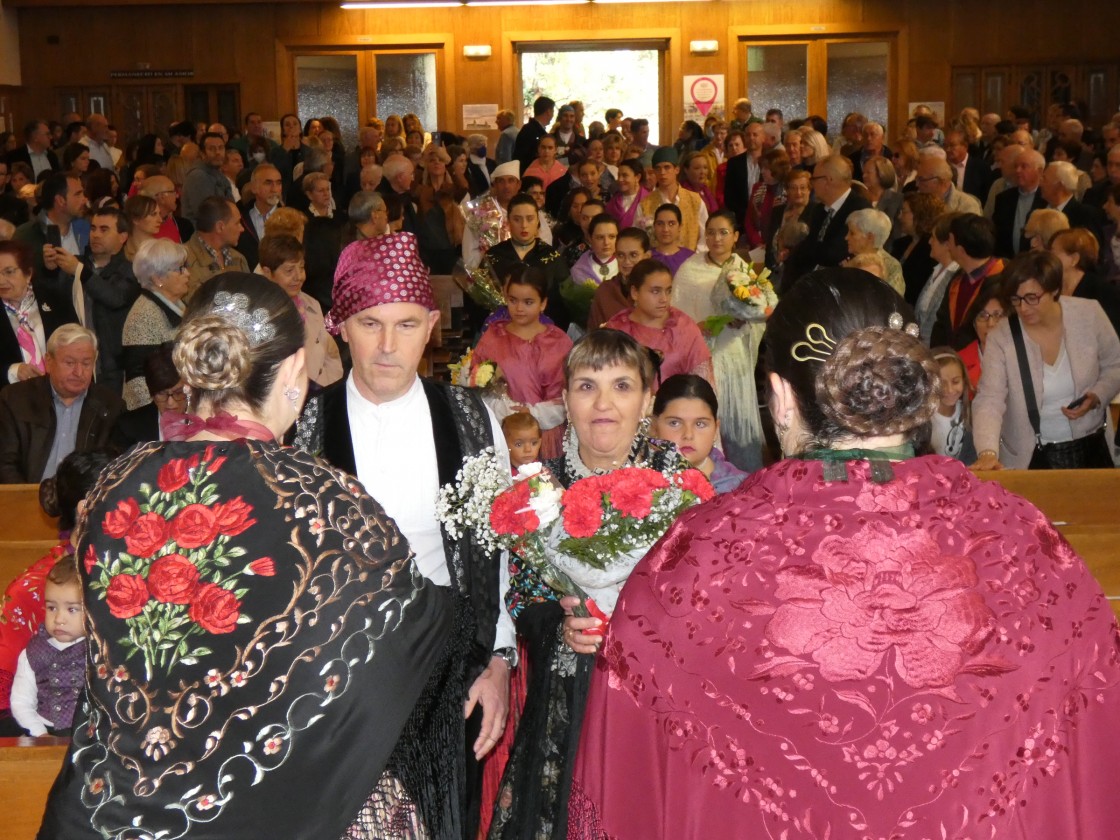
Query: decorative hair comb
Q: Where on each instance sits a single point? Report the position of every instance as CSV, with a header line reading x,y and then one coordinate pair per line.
x,y
234,308
817,347
896,322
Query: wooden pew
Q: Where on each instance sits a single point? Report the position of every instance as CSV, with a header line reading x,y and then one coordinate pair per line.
x,y
21,517
1084,506
28,767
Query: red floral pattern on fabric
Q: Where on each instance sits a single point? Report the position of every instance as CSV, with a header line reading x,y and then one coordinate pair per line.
x,y
924,658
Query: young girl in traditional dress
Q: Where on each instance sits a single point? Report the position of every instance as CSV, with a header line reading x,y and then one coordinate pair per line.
x,y
653,323
667,237
598,264
530,354
951,429
613,296
686,413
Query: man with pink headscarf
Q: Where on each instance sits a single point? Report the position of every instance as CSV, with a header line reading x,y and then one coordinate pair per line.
x,y
404,437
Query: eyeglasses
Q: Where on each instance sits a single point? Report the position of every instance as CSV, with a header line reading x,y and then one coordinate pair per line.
x,y
1029,299
171,395
985,315
8,273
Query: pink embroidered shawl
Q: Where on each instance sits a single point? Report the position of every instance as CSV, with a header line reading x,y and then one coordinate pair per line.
x,y
680,343
926,658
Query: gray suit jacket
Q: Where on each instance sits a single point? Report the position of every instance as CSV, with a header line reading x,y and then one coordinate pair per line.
x,y
999,412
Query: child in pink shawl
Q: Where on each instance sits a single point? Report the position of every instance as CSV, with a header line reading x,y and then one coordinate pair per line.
x,y
856,642
530,355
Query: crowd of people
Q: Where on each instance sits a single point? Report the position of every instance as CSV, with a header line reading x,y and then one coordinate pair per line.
x,y
246,319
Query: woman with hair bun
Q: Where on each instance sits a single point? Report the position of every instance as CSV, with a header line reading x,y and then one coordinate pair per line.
x,y
255,619
856,642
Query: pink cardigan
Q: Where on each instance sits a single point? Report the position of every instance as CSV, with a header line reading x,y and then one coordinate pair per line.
x,y
999,412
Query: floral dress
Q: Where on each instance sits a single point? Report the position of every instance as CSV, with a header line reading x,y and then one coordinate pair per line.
x,y
533,796
255,622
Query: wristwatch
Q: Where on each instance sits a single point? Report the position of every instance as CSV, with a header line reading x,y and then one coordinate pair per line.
x,y
509,654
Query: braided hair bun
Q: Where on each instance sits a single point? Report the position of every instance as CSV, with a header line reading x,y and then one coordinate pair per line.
x,y
212,354
879,381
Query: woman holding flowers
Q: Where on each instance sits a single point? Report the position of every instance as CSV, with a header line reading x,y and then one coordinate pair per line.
x,y
530,354
858,641
608,391
653,323
723,293
250,609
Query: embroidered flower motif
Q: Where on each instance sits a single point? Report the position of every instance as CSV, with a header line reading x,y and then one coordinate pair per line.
x,y
173,579
147,535
921,713
102,671
879,592
233,517
205,803
237,679
316,526
215,609
96,786
117,522
158,743
262,566
126,595
120,674
90,559
212,678
332,683
173,475
273,745
195,526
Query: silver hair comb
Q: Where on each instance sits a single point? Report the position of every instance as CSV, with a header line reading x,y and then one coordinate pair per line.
x,y
817,347
896,322
234,308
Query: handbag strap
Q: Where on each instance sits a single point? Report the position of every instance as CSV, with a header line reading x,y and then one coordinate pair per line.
x,y
1025,374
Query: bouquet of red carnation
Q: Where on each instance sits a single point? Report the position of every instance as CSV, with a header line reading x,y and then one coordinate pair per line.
x,y
587,540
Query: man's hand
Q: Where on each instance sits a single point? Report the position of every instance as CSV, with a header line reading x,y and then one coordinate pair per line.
x,y
65,261
491,689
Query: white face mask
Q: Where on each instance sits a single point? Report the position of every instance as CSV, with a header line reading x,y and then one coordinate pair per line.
x,y
258,157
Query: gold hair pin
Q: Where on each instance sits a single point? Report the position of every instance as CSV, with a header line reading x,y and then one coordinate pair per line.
x,y
817,346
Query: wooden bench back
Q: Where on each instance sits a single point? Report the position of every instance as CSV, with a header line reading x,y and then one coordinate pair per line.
x,y
28,767
21,517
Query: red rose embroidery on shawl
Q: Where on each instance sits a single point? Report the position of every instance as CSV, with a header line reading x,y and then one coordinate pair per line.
x,y
195,526
173,475
90,559
117,522
214,609
894,496
126,595
147,535
672,550
263,567
173,579
880,591
233,516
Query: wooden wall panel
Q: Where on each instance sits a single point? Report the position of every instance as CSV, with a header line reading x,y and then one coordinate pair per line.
x,y
240,43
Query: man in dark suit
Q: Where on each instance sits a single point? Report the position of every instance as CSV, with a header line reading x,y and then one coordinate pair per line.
x,y
44,419
971,244
479,166
36,150
1014,205
873,146
268,185
743,172
826,244
525,148
1059,181
970,173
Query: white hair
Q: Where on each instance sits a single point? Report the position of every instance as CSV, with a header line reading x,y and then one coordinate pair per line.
x,y
931,151
1067,174
155,258
69,334
773,131
395,165
873,222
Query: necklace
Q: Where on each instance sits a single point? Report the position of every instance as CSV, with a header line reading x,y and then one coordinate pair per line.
x,y
578,469
603,267
836,461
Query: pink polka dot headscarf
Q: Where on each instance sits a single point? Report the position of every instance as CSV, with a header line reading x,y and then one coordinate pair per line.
x,y
372,272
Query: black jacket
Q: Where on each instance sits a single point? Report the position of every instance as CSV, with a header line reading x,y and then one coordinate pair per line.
x,y
1003,217
829,249
27,427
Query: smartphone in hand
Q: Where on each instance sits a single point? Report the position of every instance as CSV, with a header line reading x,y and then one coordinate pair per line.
x,y
54,236
1076,403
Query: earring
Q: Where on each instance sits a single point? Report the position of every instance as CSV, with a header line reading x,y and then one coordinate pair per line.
x,y
292,395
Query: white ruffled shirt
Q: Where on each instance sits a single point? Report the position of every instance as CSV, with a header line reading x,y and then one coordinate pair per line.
x,y
396,462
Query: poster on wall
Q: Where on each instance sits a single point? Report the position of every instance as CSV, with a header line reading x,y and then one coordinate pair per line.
x,y
480,118
704,95
938,109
